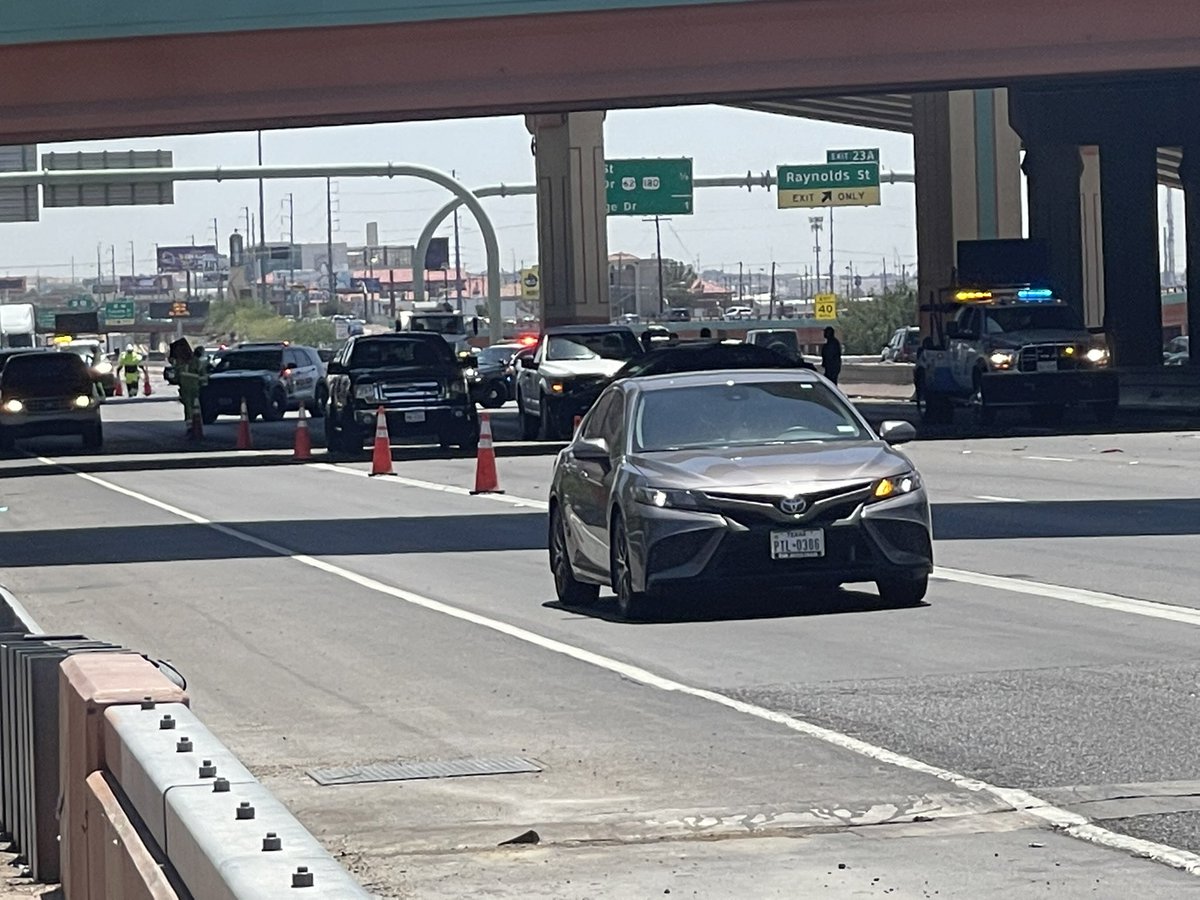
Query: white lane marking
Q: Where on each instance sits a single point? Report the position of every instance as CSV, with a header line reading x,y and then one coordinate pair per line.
x,y
1097,599
1057,818
992,499
522,502
1051,458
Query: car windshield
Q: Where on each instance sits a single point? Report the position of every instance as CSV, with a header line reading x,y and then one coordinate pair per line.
x,y
594,345
393,352
250,361
494,356
448,324
1032,318
64,371
733,413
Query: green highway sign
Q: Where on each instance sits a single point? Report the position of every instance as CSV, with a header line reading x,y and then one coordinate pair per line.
x,y
81,303
648,187
852,156
120,312
45,319
831,184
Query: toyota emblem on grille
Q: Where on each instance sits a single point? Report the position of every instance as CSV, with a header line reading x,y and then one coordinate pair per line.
x,y
793,506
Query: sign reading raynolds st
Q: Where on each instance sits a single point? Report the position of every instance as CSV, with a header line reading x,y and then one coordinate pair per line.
x,y
829,184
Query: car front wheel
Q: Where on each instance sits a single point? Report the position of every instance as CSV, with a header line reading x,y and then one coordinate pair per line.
x,y
320,400
632,604
274,408
903,591
567,587
529,424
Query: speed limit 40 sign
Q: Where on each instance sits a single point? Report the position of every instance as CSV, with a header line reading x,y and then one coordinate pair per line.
x,y
825,306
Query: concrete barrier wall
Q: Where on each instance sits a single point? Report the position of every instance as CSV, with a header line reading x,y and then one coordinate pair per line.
x,y
155,806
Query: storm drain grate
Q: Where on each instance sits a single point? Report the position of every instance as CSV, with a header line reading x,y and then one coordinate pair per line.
x,y
452,768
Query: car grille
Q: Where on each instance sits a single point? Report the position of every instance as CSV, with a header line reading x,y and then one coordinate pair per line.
x,y
410,391
48,405
1034,356
825,506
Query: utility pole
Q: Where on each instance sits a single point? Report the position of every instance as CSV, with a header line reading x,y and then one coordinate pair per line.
x,y
1169,241
132,262
217,243
292,243
741,286
885,284
262,229
771,315
329,238
832,286
112,251
658,253
457,257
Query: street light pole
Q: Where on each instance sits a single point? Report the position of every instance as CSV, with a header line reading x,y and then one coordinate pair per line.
x,y
262,229
658,253
816,223
329,238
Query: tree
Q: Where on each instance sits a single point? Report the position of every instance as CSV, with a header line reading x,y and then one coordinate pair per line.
x,y
867,325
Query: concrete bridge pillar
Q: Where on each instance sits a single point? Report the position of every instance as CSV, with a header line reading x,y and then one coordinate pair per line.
x,y
968,178
1189,176
1055,213
572,217
1129,213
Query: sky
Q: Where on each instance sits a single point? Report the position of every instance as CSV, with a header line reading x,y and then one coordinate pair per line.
x,y
730,225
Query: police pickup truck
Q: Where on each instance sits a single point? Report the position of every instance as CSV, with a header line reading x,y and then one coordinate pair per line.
x,y
1012,347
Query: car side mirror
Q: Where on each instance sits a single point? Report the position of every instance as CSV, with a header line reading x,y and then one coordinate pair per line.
x,y
591,450
952,330
335,368
529,363
897,432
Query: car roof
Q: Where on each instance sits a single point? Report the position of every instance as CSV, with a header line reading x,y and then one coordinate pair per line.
x,y
428,337
586,329
718,376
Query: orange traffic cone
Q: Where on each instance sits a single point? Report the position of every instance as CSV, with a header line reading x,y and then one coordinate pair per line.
x,y
303,447
243,438
486,479
196,432
381,459
146,389
119,391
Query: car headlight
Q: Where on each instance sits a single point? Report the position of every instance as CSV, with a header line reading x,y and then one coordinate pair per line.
x,y
1002,359
667,498
13,406
1097,356
103,368
456,388
896,486
364,392
471,374
559,387
82,401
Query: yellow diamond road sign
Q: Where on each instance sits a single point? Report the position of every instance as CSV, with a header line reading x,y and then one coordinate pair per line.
x,y
825,306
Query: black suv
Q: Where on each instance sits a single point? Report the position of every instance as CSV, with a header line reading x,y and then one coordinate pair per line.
x,y
272,377
417,380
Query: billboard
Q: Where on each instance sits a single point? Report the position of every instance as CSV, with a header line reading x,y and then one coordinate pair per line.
x,y
77,323
146,285
179,309
189,259
349,284
12,283
438,254
139,193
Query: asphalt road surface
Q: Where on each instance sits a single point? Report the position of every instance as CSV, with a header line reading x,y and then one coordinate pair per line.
x,y
1029,732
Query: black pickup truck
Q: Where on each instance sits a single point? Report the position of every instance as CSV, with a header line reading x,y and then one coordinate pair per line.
x,y
414,377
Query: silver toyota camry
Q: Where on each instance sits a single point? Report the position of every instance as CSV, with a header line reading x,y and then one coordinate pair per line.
x,y
736,480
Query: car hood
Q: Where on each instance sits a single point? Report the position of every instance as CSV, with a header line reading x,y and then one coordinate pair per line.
x,y
404,373
238,374
1041,336
565,368
757,468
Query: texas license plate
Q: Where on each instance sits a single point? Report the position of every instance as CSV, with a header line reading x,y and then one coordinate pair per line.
x,y
798,544
414,415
